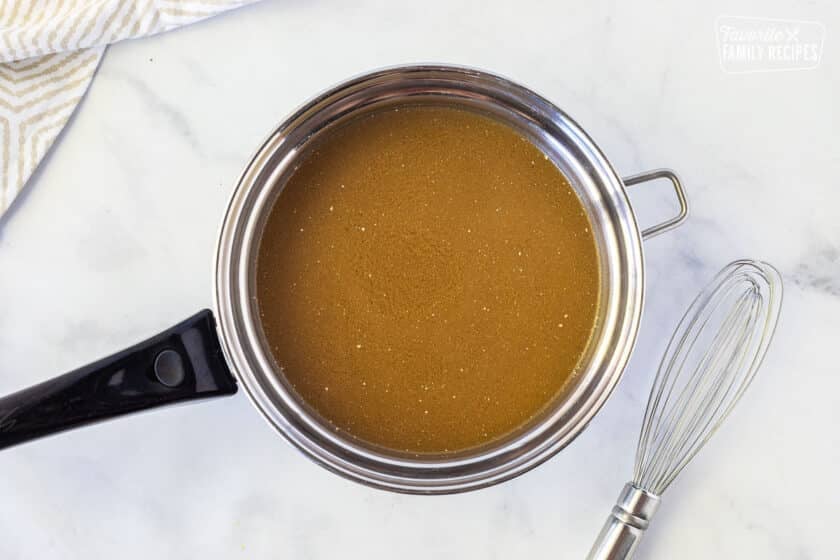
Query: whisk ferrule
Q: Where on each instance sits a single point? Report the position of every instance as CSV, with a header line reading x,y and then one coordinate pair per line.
x,y
626,524
635,507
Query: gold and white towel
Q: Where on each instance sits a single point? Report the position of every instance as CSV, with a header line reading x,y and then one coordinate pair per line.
x,y
49,51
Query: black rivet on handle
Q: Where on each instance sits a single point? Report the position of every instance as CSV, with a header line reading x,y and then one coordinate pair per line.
x,y
169,368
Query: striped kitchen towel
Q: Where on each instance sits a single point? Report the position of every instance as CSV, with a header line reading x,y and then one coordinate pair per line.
x,y
49,51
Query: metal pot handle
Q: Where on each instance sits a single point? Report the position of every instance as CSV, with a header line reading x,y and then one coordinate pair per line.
x,y
652,175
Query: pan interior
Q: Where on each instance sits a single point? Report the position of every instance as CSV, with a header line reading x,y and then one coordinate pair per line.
x,y
427,279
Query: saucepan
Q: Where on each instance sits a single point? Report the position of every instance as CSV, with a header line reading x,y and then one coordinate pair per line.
x,y
217,351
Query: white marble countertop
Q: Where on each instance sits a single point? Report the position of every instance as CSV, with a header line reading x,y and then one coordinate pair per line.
x,y
114,237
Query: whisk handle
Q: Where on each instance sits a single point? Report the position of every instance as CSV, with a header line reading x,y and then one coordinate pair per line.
x,y
626,524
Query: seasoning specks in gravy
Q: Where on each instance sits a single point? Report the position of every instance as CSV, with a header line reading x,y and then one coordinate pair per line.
x,y
427,279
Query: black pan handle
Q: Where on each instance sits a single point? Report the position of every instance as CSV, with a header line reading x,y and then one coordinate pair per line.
x,y
180,364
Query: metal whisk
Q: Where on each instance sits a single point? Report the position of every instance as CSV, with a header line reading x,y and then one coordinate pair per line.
x,y
709,363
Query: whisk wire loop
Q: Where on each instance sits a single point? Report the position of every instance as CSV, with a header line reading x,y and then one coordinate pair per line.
x,y
708,364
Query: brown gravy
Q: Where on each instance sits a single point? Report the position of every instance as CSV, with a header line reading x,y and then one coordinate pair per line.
x,y
427,279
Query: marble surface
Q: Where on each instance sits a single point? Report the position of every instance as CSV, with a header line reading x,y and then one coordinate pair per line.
x,y
114,238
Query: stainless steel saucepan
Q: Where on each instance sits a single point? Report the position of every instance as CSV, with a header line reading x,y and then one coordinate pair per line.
x,y
215,352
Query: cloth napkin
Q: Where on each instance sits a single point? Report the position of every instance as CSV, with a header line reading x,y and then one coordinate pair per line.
x,y
49,51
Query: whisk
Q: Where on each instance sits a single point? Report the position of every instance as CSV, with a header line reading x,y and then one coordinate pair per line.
x,y
710,361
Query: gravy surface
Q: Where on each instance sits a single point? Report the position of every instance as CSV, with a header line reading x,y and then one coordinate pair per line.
x,y
427,280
